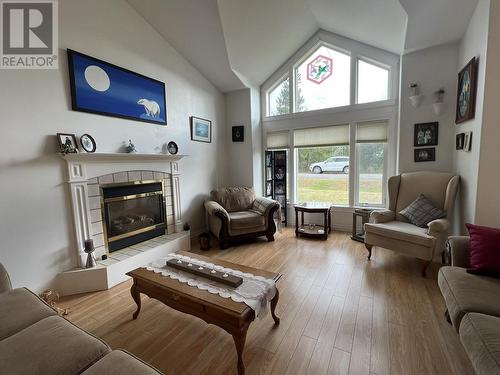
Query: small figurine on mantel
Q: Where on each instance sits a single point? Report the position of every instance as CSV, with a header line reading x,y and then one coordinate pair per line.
x,y
130,148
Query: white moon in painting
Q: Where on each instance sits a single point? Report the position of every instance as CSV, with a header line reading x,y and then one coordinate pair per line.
x,y
97,78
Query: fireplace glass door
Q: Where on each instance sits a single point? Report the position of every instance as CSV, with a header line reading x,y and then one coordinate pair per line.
x,y
133,214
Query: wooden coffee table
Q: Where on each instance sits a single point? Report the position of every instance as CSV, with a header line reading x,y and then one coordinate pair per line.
x,y
233,317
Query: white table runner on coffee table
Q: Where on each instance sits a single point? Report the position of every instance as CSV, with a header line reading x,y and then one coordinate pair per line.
x,y
255,291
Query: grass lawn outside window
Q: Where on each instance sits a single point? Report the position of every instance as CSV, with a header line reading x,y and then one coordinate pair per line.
x,y
334,188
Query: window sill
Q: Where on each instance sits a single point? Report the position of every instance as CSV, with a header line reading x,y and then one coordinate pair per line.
x,y
347,108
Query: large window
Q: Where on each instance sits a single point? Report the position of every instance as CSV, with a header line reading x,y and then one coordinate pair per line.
x,y
322,164
371,149
373,82
331,77
322,80
334,106
279,98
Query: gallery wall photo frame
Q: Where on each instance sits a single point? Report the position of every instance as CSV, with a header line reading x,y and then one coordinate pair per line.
x,y
459,141
201,129
466,92
424,154
238,133
100,87
467,141
426,134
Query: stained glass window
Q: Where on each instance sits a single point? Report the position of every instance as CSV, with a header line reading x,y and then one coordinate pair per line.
x,y
322,80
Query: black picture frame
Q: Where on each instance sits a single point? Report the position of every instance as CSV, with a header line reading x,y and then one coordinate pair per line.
x,y
238,133
467,141
426,134
94,146
459,141
424,154
71,137
197,135
74,103
466,91
172,148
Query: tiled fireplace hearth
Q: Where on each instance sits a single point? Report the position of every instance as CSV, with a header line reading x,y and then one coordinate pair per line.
x,y
95,185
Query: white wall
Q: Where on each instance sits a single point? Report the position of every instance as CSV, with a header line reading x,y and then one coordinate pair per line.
x,y
466,164
432,69
35,224
488,198
257,150
239,156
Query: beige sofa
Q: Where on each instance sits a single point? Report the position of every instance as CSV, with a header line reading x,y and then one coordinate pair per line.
x,y
391,230
35,340
234,214
473,304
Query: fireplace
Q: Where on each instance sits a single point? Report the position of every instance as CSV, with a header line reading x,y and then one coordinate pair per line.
x,y
132,213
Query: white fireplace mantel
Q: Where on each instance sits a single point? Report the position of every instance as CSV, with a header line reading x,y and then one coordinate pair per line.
x,y
81,156
88,165
84,167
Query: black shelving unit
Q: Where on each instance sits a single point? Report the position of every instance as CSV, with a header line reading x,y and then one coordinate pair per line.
x,y
276,179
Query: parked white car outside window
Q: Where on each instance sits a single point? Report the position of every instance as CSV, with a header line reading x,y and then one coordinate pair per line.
x,y
333,164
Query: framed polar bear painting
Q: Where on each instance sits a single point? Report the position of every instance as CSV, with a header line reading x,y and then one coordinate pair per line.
x,y
106,89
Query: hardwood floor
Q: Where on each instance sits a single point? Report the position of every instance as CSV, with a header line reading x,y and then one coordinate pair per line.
x,y
340,314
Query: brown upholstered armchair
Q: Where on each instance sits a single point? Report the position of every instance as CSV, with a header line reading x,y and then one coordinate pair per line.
x,y
234,213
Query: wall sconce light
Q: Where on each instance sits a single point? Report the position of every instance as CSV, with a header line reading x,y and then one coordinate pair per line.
x,y
415,98
438,105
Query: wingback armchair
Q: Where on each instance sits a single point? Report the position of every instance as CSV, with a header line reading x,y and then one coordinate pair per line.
x,y
235,213
391,230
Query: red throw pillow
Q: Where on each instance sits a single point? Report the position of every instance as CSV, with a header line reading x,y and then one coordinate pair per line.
x,y
484,250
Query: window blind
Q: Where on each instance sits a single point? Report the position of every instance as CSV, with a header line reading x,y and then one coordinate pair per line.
x,y
372,132
324,136
278,140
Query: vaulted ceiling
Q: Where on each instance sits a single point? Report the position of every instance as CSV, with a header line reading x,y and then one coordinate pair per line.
x,y
435,22
237,43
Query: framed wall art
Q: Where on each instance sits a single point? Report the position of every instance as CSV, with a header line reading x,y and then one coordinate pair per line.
x,y
238,133
426,134
201,129
106,89
466,94
467,141
459,141
424,154
88,143
67,143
